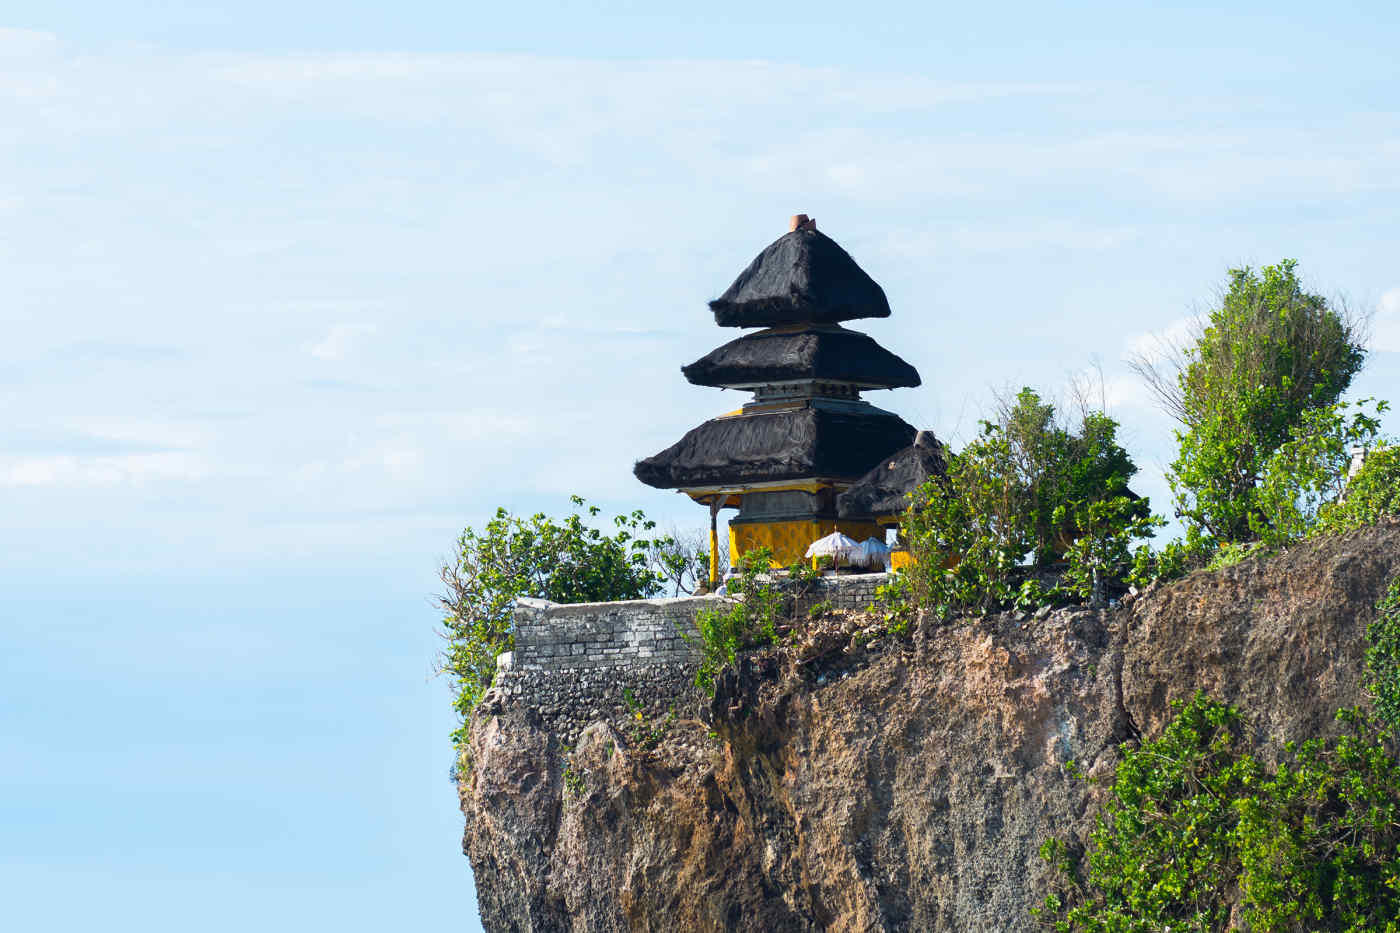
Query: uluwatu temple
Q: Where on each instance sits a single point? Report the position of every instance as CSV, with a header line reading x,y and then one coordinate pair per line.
x,y
806,456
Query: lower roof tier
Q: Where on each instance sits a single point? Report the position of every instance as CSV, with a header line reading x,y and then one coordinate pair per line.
x,y
885,490
791,444
827,352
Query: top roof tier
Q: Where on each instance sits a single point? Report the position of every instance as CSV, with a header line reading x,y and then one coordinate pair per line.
x,y
803,277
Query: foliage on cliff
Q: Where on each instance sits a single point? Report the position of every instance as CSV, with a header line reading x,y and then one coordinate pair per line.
x,y
1306,477
1199,835
566,561
1029,491
1271,353
1372,495
752,620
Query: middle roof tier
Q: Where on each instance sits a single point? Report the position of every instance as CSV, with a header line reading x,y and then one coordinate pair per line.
x,y
802,352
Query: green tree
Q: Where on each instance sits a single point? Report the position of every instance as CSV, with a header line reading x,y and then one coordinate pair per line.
x,y
1196,833
1161,856
1030,488
761,602
1307,475
565,561
1383,657
1371,495
1269,354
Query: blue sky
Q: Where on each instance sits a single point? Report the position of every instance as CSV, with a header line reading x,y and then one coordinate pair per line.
x,y
295,291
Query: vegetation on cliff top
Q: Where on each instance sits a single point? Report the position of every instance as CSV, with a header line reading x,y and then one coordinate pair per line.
x,y
566,561
752,620
1264,447
1032,490
1196,834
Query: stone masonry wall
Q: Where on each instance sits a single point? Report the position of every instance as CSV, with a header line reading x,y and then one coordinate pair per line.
x,y
579,663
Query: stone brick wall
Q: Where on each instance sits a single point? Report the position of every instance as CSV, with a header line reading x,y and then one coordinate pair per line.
x,y
575,664
590,636
852,592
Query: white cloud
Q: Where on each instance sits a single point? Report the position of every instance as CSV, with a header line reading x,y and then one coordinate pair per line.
x,y
543,234
1158,345
159,433
1387,323
341,341
72,472
18,43
993,238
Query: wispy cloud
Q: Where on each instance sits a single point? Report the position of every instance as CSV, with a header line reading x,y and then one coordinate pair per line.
x,y
1386,336
1159,345
235,233
70,472
341,340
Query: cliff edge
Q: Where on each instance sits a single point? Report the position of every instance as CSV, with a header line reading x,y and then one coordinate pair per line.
x,y
897,784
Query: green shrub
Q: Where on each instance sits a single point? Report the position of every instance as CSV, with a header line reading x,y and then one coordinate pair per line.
x,y
1232,553
1373,494
1306,475
1103,552
1194,825
752,619
1161,855
1318,841
1383,657
1271,353
1176,559
565,561
1028,492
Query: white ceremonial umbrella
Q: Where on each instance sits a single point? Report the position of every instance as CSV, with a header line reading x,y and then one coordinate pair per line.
x,y
874,553
838,546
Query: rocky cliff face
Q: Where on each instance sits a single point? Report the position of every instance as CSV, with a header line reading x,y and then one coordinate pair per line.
x,y
899,785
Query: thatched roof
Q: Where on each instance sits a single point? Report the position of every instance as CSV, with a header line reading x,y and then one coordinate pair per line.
x,y
797,443
802,277
823,351
885,489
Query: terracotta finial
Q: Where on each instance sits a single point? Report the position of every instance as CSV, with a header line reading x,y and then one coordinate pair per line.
x,y
801,222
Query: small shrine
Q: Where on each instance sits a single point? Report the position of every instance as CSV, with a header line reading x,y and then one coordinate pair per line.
x,y
806,436
883,493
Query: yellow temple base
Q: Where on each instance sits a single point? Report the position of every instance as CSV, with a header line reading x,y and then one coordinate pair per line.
x,y
789,540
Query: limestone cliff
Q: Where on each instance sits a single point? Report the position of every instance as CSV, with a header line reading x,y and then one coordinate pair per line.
x,y
901,785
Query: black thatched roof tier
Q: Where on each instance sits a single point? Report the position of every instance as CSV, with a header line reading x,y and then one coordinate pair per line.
x,y
884,490
802,277
796,443
816,352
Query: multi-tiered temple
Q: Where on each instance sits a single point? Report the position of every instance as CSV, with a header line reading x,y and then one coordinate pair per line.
x,y
806,435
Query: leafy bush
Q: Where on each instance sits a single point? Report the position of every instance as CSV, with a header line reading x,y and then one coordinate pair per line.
x,y
565,561
1028,491
1318,842
1307,473
1176,559
761,604
1161,855
1103,551
1270,354
1194,824
1383,657
1228,555
1373,494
